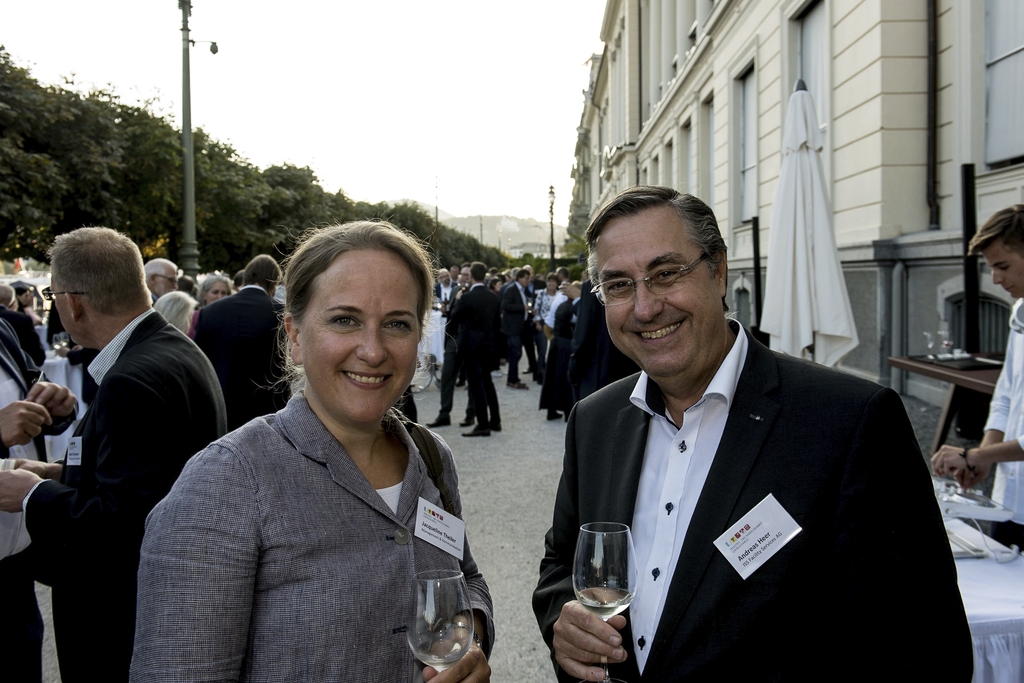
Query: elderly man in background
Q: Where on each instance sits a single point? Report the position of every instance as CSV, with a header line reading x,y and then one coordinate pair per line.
x,y
22,325
161,277
158,403
240,336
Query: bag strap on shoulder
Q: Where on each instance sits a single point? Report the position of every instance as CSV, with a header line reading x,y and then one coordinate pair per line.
x,y
424,441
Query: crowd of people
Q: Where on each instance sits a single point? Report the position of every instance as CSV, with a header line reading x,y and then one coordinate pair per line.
x,y
244,499
557,323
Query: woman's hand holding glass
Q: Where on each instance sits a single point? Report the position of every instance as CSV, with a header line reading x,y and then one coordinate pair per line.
x,y
440,629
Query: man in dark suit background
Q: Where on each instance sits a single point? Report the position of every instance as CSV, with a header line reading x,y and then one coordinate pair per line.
x,y
714,432
31,409
594,362
158,403
240,336
22,325
513,320
477,316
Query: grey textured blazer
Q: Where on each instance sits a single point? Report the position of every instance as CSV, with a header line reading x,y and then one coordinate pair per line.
x,y
273,559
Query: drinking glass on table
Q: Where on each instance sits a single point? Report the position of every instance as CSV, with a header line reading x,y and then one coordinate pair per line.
x,y
604,573
440,629
61,340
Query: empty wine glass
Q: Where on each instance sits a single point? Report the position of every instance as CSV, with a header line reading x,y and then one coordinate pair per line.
x,y
946,341
60,340
440,628
604,573
930,342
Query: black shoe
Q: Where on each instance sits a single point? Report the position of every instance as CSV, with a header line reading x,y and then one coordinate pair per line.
x,y
440,422
495,426
461,383
478,432
516,385
468,422
552,415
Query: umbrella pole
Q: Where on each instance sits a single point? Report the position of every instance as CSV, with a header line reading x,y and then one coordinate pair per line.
x,y
755,237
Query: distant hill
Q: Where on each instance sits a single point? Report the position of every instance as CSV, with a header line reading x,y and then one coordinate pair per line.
x,y
518,230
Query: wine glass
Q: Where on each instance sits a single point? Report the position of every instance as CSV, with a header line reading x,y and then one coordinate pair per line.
x,y
60,340
604,571
930,341
440,628
946,342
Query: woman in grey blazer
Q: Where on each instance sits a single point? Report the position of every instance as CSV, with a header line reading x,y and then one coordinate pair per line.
x,y
285,551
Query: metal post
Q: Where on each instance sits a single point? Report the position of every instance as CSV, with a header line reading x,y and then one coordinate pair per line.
x,y
972,333
189,254
551,223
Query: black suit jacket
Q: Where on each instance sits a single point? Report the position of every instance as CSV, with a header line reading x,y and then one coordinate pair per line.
x,y
595,362
513,311
476,315
870,579
26,331
240,336
157,406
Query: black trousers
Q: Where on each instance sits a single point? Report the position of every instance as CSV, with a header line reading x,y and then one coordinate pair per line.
x,y
452,367
481,388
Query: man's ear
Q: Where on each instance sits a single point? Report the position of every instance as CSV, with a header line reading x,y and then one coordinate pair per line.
x,y
75,306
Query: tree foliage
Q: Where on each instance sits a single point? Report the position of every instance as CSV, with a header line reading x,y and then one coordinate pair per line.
x,y
69,160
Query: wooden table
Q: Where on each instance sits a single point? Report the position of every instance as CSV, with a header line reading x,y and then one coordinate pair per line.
x,y
961,383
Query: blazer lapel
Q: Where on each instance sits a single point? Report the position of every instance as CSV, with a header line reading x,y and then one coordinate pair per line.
x,y
626,461
751,417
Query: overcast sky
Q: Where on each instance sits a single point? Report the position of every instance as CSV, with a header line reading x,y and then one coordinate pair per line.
x,y
378,98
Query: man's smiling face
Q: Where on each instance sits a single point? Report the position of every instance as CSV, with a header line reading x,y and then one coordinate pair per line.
x,y
678,337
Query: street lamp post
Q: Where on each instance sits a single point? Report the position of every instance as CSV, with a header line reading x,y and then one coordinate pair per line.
x,y
551,224
189,254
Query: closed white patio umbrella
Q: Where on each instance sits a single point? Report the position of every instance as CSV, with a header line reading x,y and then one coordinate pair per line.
x,y
805,302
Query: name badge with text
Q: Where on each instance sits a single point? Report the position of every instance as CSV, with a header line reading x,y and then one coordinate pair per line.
x,y
757,536
440,528
74,457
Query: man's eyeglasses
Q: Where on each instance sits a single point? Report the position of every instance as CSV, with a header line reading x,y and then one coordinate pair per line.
x,y
662,280
50,295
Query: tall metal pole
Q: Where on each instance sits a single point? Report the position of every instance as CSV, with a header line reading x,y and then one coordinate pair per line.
x,y
189,254
551,224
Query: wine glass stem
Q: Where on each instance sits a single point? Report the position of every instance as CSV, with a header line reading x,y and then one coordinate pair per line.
x,y
607,676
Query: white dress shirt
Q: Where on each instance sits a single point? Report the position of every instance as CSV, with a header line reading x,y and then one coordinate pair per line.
x,y
1006,414
676,465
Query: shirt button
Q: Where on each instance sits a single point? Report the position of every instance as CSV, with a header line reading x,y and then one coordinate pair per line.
x,y
401,536
669,507
682,446
656,573
641,642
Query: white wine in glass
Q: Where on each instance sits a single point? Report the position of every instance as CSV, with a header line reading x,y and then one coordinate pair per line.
x,y
440,628
604,572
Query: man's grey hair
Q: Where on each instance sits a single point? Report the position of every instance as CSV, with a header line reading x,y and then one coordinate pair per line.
x,y
103,264
697,217
7,296
157,266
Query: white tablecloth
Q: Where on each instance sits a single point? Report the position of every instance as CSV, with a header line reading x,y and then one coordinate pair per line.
x,y
433,337
59,371
993,596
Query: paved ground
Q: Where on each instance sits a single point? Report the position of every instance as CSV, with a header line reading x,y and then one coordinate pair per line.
x,y
508,485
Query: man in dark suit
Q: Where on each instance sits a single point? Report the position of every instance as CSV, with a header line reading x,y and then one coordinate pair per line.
x,y
31,409
240,336
477,317
158,403
718,437
594,362
22,325
513,319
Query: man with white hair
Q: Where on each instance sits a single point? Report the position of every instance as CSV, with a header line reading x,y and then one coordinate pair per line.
x,y
161,277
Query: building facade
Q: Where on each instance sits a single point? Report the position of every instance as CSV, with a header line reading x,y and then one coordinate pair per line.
x,y
693,94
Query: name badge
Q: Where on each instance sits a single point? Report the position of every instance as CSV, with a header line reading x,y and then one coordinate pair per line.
x,y
757,536
74,456
440,528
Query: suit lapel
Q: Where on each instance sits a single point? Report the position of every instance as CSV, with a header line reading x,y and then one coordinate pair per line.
x,y
751,417
626,461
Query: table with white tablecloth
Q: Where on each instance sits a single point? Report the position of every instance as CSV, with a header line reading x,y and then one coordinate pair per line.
x,y
993,595
60,371
433,337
